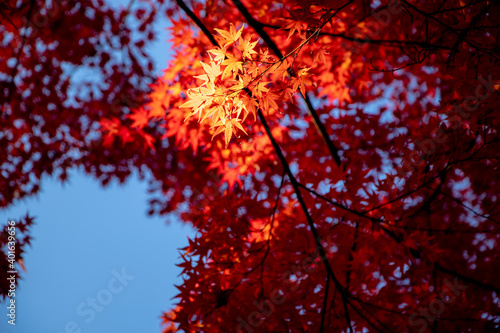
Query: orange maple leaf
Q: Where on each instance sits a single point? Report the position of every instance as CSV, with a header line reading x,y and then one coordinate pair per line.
x,y
233,66
140,118
212,69
301,80
219,53
230,36
247,47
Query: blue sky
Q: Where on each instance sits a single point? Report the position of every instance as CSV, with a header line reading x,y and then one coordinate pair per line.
x,y
97,263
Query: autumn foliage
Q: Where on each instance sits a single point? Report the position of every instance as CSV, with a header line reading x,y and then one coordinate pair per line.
x,y
338,159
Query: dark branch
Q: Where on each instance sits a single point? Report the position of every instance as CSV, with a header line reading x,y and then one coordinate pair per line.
x,y
196,20
323,310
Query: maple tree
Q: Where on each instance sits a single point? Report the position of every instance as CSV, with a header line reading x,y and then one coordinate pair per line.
x,y
338,159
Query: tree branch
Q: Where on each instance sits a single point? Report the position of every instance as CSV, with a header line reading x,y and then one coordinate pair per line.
x,y
196,20
259,28
323,310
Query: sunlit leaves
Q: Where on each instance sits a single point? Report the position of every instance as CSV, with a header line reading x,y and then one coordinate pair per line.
x,y
233,66
213,70
247,48
301,80
219,53
212,101
217,99
234,70
230,36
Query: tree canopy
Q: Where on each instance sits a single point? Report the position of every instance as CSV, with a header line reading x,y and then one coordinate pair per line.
x,y
338,159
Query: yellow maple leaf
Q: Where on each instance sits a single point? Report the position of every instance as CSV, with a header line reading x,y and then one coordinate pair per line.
x,y
195,100
260,88
213,69
240,85
230,36
233,66
219,53
236,123
247,47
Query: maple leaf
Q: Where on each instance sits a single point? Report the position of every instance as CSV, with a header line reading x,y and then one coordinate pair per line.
x,y
247,47
293,26
140,118
230,36
233,66
261,88
238,86
228,133
195,102
250,106
320,55
159,103
235,122
240,106
217,112
269,101
260,231
149,140
110,128
232,177
280,69
301,80
212,69
219,53
288,94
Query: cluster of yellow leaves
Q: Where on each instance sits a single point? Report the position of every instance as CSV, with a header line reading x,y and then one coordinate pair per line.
x,y
231,72
213,100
